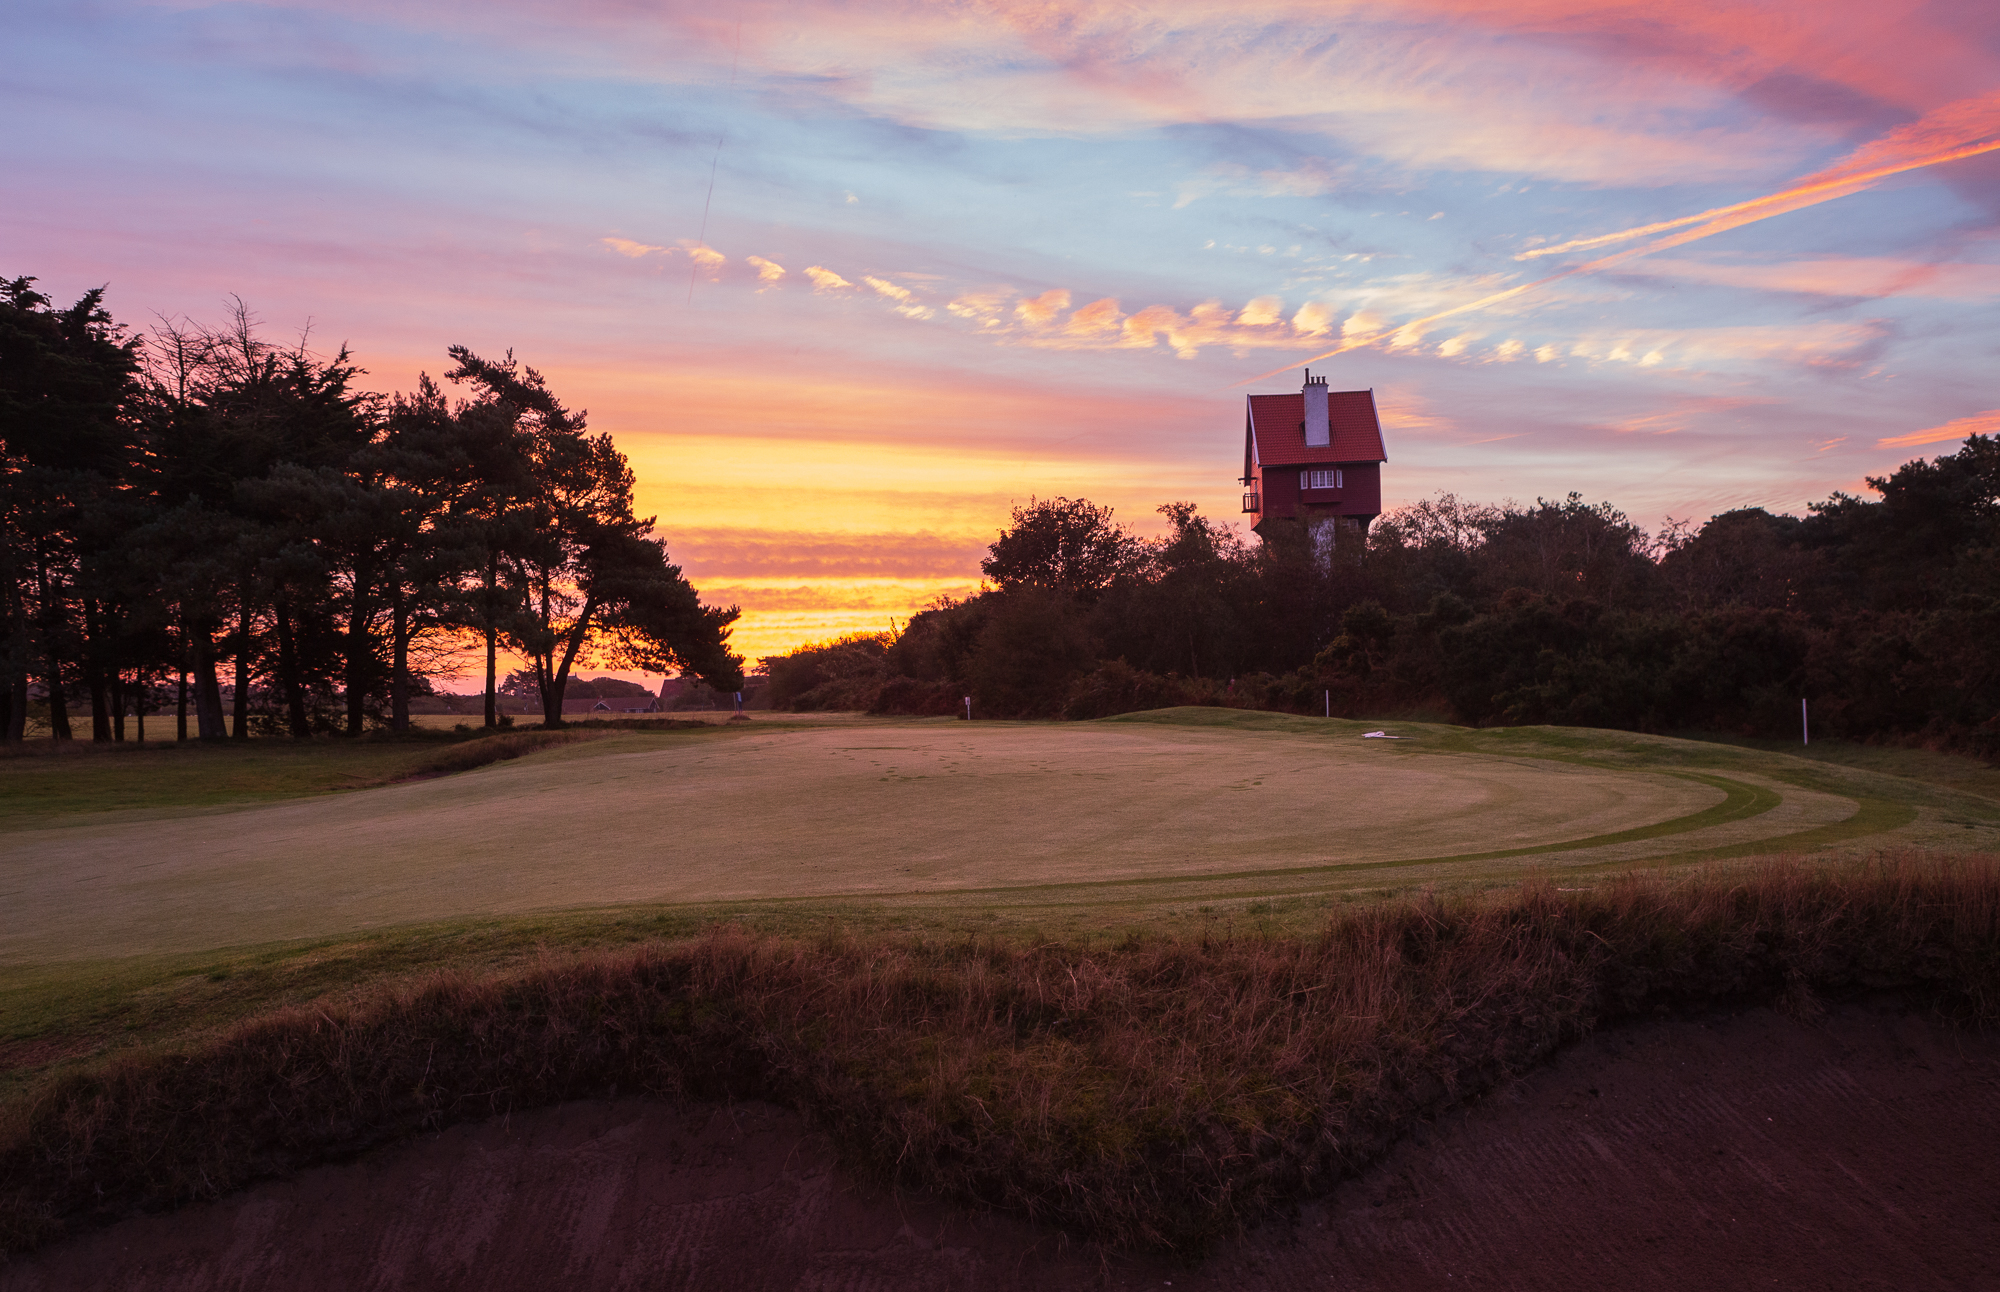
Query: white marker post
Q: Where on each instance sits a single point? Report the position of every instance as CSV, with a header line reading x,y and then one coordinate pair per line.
x,y
968,708
1805,728
1329,703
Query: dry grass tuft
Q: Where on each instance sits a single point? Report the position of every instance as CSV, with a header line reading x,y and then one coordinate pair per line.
x,y
465,756
1159,1093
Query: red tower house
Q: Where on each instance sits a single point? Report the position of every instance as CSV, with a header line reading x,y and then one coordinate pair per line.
x,y
1313,459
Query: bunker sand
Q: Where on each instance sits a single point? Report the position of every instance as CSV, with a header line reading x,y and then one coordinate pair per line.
x,y
1747,1150
1210,807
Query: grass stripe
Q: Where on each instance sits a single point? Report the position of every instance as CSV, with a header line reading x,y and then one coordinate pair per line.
x,y
1741,802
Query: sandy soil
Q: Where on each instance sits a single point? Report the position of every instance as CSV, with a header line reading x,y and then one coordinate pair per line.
x,y
1750,1150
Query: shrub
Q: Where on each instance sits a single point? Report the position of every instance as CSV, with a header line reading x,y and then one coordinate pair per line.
x,y
907,696
1116,687
1162,1092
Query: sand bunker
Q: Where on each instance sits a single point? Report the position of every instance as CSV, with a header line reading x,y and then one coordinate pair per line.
x,y
1858,1151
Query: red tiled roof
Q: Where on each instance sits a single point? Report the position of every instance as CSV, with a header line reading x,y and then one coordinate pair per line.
x,y
1277,437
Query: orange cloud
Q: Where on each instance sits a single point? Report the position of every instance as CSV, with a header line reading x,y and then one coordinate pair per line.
x,y
1145,324
906,302
1363,323
1986,423
983,306
1313,319
1095,318
768,271
737,553
1410,412
1264,311
1038,310
825,280
627,247
841,505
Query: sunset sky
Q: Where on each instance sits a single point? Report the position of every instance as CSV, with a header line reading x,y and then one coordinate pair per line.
x,y
847,281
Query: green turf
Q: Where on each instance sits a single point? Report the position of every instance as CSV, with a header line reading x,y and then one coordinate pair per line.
x,y
57,783
51,784
888,809
151,894
904,811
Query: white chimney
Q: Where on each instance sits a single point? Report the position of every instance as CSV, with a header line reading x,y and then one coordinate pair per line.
x,y
1317,435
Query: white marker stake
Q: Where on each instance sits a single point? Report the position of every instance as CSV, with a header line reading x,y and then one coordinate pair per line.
x,y
1805,729
1329,703
968,708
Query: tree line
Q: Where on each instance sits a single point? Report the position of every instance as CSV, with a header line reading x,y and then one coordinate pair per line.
x,y
192,504
1883,613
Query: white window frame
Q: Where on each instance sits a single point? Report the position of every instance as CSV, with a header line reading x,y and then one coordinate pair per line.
x,y
1314,479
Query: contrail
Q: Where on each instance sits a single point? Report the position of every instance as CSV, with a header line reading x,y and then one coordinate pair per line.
x,y
1979,117
1804,194
694,266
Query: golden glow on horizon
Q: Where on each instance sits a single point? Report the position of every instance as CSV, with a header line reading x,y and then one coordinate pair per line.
x,y
789,499
780,616
700,482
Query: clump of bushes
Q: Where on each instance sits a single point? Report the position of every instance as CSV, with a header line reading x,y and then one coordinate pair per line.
x,y
1116,687
1159,1093
1880,613
911,698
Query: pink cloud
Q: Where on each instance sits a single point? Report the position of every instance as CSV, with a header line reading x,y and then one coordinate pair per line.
x,y
1986,423
1844,276
1094,319
627,247
825,280
1597,91
1954,132
1037,310
1264,311
1313,319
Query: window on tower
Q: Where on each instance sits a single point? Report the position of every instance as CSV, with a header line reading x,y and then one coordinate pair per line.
x,y
1324,479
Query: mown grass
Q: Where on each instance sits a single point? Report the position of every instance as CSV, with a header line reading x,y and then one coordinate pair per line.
x,y
1161,1091
1953,771
54,782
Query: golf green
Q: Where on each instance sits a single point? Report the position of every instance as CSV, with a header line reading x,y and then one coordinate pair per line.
x,y
1180,805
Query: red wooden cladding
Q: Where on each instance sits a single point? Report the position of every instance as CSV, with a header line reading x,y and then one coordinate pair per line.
x,y
1276,460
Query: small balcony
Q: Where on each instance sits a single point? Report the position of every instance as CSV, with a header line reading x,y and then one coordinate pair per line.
x,y
1251,502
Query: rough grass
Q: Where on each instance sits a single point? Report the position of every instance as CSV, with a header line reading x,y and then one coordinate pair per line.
x,y
47,782
44,782
493,749
1161,1092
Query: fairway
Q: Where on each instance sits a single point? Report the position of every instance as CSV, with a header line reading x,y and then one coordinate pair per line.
x,y
1188,805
